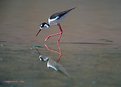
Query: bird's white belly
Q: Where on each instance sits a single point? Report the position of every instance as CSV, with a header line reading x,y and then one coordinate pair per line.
x,y
51,66
54,21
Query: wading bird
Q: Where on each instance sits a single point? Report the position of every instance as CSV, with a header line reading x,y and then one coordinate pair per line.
x,y
54,19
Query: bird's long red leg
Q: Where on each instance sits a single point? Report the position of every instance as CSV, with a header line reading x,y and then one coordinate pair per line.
x,y
58,43
50,49
52,35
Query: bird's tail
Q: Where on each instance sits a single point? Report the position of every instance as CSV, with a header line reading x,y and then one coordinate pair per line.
x,y
70,9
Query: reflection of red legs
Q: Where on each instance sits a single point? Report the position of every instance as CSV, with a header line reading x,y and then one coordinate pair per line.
x,y
58,43
59,49
50,49
59,53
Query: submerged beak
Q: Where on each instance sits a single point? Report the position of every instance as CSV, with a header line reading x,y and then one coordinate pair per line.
x,y
38,32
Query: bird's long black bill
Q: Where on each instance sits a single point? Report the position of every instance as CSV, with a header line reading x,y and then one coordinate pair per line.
x,y
38,32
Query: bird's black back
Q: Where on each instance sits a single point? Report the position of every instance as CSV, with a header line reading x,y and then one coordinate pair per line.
x,y
60,14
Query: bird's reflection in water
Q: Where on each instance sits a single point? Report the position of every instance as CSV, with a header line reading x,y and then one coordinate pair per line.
x,y
52,64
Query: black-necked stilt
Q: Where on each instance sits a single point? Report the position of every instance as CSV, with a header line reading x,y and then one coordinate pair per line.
x,y
53,64
54,19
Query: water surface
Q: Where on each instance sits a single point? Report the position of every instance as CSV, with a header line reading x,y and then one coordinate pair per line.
x,y
91,43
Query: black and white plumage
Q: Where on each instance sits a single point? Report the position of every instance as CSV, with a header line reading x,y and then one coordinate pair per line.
x,y
53,64
44,25
57,17
54,19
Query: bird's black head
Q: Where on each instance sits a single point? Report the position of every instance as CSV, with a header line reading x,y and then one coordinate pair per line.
x,y
42,26
43,58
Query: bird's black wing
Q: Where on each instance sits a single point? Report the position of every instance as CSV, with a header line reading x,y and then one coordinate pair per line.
x,y
60,14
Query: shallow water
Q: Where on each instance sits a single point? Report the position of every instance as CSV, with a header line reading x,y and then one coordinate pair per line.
x,y
91,44
92,65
